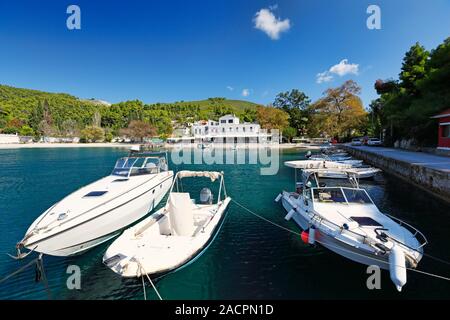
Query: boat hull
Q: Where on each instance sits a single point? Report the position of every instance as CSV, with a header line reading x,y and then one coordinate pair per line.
x,y
339,247
334,174
102,225
133,270
198,253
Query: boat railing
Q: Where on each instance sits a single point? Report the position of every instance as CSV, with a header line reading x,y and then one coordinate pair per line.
x,y
416,232
325,222
366,240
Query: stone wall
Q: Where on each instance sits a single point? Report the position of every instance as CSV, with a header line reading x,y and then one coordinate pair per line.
x,y
434,181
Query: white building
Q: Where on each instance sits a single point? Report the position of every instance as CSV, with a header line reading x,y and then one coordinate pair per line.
x,y
9,138
228,129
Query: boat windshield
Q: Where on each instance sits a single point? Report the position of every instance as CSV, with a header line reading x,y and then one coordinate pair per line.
x,y
136,166
357,196
330,195
341,195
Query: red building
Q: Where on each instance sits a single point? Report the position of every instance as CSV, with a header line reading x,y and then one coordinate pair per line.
x,y
444,129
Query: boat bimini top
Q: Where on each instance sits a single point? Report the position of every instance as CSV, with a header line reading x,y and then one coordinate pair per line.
x,y
213,175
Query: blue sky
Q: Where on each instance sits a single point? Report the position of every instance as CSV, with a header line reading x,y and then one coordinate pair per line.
x,y
163,51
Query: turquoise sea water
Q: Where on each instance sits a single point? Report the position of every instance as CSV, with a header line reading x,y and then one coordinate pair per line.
x,y
250,259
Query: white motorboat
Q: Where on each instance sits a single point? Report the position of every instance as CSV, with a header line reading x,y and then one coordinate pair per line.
x,y
346,221
360,173
334,169
343,160
99,211
175,235
317,164
334,158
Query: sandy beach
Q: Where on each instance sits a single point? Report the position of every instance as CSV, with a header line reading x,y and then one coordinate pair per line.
x,y
63,145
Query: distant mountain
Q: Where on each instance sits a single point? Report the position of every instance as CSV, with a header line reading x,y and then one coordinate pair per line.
x,y
211,102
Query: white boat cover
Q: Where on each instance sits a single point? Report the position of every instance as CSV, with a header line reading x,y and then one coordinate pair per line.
x,y
213,175
317,164
180,213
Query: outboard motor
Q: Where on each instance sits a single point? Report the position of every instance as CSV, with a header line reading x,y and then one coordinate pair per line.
x,y
308,154
206,196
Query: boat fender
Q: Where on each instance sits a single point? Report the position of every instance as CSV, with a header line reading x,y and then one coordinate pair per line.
x,y
397,267
304,235
312,235
290,214
278,197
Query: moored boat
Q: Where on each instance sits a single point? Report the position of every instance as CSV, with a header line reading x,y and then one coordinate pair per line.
x,y
175,235
99,211
346,221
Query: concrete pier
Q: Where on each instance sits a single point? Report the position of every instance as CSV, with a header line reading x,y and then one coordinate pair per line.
x,y
427,171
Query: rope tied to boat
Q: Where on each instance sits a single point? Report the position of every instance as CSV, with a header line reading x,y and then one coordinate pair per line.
x,y
39,276
373,258
143,273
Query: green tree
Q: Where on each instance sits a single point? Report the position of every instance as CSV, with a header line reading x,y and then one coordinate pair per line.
x,y
413,67
26,130
272,118
92,134
295,103
138,130
69,128
423,91
289,133
340,112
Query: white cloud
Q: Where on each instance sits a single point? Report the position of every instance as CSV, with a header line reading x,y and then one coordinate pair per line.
x,y
323,77
343,68
245,92
230,88
266,21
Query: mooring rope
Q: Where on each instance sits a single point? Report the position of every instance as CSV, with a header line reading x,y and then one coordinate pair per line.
x,y
141,268
143,287
40,265
38,262
336,247
34,261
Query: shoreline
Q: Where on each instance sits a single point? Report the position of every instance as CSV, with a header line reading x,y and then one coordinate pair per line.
x,y
8,146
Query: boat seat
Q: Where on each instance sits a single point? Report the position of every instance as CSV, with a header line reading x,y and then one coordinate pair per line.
x,y
181,211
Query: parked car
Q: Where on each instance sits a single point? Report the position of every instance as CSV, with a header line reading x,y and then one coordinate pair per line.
x,y
374,142
356,142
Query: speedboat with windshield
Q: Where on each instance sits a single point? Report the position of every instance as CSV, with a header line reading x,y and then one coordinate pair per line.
x,y
335,169
346,221
175,235
338,158
99,211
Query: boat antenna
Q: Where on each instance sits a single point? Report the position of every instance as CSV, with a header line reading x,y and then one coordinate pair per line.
x,y
353,179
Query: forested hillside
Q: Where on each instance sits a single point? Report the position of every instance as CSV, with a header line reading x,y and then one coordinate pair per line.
x,y
32,112
405,106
